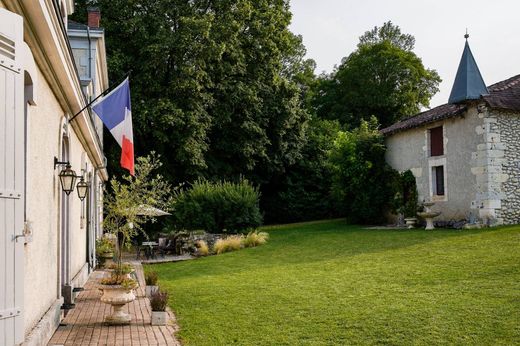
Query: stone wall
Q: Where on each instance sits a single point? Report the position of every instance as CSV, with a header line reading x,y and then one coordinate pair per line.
x,y
508,125
486,165
496,166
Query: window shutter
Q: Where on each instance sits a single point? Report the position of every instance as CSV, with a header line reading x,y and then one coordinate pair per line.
x,y
436,141
11,179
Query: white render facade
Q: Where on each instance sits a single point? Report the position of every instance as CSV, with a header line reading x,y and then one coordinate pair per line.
x,y
46,237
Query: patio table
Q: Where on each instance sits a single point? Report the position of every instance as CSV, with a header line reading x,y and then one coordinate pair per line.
x,y
149,248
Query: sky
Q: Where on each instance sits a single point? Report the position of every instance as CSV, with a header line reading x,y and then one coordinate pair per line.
x,y
331,30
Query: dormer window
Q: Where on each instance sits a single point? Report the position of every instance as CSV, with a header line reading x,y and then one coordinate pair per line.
x,y
436,141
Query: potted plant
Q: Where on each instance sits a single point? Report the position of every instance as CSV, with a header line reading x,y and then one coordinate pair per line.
x,y
126,269
104,250
150,278
158,302
124,218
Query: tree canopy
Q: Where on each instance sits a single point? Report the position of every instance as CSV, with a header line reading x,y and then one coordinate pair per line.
x,y
214,83
383,77
390,33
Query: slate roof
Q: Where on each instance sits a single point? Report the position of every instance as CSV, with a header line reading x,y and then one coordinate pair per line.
x,y
503,95
468,84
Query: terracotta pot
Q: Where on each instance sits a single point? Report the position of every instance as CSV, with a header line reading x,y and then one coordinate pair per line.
x,y
117,296
159,318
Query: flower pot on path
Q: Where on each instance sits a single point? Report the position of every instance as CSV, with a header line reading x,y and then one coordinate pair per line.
x,y
150,289
159,318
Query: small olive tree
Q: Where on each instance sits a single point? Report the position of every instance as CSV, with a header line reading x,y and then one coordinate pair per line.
x,y
131,202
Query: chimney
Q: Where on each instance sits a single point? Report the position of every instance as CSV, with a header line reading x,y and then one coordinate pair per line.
x,y
94,16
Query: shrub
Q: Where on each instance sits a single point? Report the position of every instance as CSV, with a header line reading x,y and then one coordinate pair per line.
x,y
202,248
363,183
231,243
159,300
150,278
255,238
410,195
218,207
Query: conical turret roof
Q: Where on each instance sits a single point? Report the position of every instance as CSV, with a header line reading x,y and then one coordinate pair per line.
x,y
468,84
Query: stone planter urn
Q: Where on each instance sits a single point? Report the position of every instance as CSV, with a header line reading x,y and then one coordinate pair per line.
x,y
410,222
106,258
117,296
150,289
159,318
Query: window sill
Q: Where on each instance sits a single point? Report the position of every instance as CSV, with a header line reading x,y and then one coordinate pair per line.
x,y
439,198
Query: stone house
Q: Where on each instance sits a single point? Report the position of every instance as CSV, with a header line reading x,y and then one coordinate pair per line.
x,y
465,155
47,237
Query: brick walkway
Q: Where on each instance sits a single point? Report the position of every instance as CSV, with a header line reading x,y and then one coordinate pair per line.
x,y
84,324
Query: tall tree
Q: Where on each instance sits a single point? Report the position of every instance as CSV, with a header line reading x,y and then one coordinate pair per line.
x,y
258,121
383,77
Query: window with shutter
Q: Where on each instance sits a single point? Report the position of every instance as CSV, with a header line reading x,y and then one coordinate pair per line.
x,y
436,142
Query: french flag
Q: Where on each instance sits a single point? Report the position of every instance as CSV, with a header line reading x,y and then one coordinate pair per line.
x,y
115,111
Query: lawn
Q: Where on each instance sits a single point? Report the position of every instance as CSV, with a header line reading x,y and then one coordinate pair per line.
x,y
328,283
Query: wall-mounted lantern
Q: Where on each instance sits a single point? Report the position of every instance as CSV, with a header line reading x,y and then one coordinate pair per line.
x,y
68,179
82,188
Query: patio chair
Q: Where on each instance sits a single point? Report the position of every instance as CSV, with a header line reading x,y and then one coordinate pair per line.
x,y
162,246
139,251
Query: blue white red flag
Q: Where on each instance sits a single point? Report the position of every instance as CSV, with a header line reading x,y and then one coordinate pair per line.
x,y
115,111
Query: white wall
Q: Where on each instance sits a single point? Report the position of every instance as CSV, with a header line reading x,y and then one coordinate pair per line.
x,y
43,205
409,150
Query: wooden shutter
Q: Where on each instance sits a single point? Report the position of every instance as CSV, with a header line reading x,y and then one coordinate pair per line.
x,y
436,141
11,179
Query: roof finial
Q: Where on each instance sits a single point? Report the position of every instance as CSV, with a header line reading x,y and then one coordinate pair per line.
x,y
467,35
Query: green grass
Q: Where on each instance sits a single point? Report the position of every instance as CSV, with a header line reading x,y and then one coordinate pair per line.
x,y
330,283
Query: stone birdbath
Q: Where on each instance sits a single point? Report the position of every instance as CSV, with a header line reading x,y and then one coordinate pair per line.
x,y
428,215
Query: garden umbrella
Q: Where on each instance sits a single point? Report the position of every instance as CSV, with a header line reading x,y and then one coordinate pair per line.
x,y
148,210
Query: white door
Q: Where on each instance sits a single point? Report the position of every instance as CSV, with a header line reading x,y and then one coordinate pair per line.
x,y
11,179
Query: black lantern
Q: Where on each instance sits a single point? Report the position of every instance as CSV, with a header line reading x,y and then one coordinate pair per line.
x,y
82,188
67,179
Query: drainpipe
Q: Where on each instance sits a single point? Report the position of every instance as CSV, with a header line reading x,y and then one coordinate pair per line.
x,y
95,206
90,61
